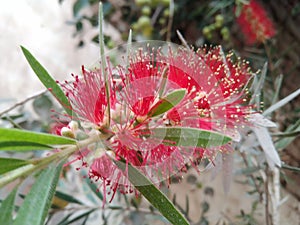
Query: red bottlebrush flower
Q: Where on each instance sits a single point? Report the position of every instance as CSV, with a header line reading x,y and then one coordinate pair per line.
x,y
255,23
213,101
103,168
161,161
217,97
88,97
232,79
141,82
216,89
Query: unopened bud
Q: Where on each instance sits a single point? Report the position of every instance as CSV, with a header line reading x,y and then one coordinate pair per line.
x,y
111,154
67,132
219,20
73,125
140,119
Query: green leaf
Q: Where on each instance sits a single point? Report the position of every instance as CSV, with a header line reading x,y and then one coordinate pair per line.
x,y
61,200
153,195
67,197
286,134
167,103
278,85
189,137
284,142
8,164
103,60
257,86
94,188
22,146
66,218
282,102
78,6
83,215
47,80
292,168
163,82
248,170
7,208
38,201
22,140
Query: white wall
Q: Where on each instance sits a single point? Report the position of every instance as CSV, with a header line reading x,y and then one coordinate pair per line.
x,y
40,26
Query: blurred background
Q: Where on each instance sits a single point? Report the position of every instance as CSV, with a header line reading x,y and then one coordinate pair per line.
x,y
62,35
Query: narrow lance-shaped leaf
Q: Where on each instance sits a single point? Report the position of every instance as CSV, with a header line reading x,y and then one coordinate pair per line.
x,y
64,197
8,164
163,82
292,168
286,134
283,142
268,147
22,140
103,62
38,201
79,5
77,218
282,102
189,137
128,52
153,195
94,188
23,146
168,102
258,86
47,80
278,83
7,208
15,174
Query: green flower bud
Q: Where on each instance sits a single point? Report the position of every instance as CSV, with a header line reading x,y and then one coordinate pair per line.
x,y
143,22
219,19
110,44
212,27
67,132
225,33
166,13
206,30
147,31
146,10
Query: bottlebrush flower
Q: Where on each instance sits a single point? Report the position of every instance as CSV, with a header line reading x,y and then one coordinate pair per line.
x,y
103,168
217,94
216,85
255,23
88,97
214,100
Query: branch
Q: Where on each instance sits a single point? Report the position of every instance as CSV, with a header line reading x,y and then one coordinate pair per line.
x,y
267,195
23,102
275,196
170,22
292,168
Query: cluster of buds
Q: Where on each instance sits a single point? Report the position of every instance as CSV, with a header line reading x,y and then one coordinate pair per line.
x,y
165,109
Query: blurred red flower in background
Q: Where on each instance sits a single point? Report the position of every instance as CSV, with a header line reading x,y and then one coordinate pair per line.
x,y
255,24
